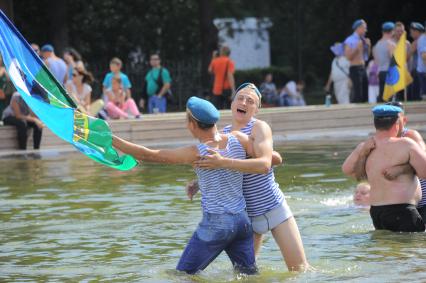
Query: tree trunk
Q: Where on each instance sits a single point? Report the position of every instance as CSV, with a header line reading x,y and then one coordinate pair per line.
x,y
58,29
7,7
209,39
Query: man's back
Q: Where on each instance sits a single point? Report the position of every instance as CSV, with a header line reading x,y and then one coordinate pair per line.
x,y
221,67
58,68
391,152
382,54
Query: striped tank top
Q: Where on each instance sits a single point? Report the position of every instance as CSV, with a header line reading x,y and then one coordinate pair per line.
x,y
221,189
422,202
261,192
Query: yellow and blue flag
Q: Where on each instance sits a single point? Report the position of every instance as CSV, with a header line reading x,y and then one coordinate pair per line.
x,y
398,76
53,106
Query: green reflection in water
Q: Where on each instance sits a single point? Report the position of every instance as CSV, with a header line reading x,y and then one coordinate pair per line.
x,y
65,218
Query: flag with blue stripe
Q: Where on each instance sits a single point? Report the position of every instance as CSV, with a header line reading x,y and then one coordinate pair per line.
x,y
53,106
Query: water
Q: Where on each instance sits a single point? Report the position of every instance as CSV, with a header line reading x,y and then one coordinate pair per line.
x,y
65,218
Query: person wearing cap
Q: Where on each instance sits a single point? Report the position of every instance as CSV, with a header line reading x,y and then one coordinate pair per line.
x,y
421,63
393,172
56,65
357,51
225,225
393,202
339,75
266,204
416,30
382,53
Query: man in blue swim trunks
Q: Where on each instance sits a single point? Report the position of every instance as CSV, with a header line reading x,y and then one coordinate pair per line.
x,y
393,202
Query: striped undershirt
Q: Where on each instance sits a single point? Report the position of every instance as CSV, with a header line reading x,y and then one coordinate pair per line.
x,y
261,192
221,189
422,202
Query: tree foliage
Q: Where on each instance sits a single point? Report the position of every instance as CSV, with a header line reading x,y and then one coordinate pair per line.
x,y
302,31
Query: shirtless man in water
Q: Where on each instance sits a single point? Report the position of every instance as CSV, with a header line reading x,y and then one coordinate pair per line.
x,y
393,202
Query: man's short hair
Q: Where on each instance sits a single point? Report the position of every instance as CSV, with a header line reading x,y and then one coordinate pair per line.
x,y
201,125
116,61
384,123
225,50
400,25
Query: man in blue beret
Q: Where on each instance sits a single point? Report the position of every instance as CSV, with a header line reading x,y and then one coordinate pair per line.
x,y
225,225
357,51
416,30
56,65
382,53
393,202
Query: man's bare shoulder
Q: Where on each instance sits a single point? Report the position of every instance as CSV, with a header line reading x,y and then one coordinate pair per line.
x,y
262,126
404,142
417,137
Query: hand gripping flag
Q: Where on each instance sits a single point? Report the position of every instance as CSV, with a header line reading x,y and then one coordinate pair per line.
x,y
398,76
53,106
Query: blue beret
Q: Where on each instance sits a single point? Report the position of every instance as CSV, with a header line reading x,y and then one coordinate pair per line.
x,y
357,23
388,26
252,87
417,26
386,111
202,110
47,48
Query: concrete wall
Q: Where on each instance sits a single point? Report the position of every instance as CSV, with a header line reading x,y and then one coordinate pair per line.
x,y
288,124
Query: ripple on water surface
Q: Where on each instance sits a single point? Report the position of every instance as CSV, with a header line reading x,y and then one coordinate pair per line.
x,y
65,218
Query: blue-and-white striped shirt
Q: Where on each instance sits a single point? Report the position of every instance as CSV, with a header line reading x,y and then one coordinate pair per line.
x,y
261,192
221,189
422,202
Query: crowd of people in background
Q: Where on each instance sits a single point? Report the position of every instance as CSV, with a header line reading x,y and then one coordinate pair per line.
x,y
358,74
222,69
291,94
359,69
70,71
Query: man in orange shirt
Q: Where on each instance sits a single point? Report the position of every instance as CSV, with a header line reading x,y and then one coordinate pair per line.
x,y
223,69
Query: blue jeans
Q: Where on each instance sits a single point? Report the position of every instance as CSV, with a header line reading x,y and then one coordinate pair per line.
x,y
157,102
215,233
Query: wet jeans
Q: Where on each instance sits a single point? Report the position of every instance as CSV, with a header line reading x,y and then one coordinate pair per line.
x,y
215,233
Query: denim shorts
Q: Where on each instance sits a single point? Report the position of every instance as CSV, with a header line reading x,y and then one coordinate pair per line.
x,y
215,233
271,219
